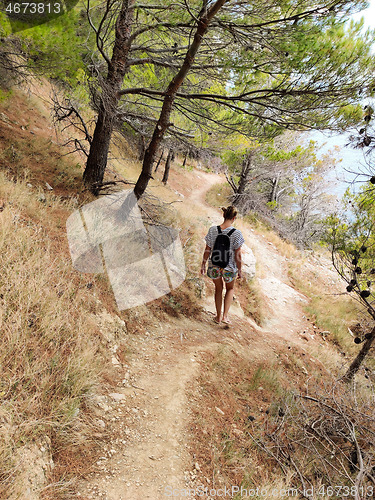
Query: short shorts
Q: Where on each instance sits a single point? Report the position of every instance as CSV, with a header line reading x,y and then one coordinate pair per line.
x,y
214,272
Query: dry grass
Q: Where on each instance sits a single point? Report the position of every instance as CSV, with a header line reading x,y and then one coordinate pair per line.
x,y
237,393
219,195
51,357
285,248
248,418
33,159
334,315
331,311
49,351
28,147
317,436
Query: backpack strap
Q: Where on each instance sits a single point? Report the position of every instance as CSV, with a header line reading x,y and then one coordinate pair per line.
x,y
219,229
231,231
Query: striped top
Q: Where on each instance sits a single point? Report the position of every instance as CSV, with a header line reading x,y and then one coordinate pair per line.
x,y
236,240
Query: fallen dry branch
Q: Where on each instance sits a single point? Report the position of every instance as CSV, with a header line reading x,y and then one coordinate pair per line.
x,y
323,438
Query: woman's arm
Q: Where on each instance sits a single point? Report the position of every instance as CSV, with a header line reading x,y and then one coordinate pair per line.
x,y
238,260
206,254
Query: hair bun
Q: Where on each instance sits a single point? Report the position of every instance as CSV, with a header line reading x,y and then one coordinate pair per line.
x,y
229,212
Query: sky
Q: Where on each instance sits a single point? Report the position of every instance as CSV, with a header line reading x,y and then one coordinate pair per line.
x,y
368,14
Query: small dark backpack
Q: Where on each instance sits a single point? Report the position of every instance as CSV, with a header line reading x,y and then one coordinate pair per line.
x,y
220,252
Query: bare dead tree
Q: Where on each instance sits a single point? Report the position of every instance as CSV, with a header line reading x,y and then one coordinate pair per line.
x,y
13,62
70,116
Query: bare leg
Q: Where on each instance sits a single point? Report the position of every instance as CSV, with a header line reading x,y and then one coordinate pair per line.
x,y
218,297
228,298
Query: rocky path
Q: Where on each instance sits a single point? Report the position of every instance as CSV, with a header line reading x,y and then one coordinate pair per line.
x,y
147,418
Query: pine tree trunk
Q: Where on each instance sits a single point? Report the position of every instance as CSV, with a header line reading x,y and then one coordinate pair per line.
x,y
167,167
244,178
186,155
355,365
158,163
170,95
148,161
97,159
142,148
117,67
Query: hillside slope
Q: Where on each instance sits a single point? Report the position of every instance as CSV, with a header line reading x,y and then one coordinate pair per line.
x,y
151,446
169,380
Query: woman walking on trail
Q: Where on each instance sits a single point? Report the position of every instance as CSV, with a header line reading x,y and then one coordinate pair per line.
x,y
223,250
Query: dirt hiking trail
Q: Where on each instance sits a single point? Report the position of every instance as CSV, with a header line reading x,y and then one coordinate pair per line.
x,y
150,450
